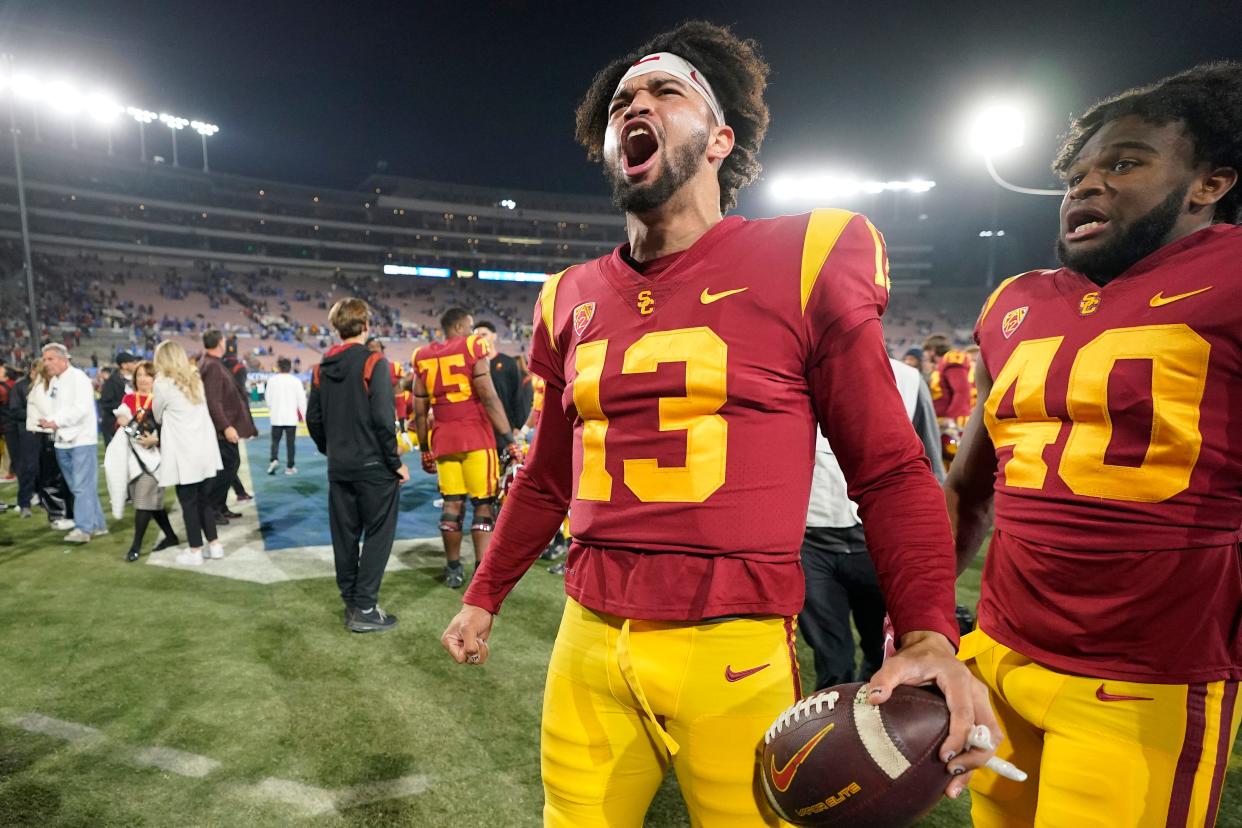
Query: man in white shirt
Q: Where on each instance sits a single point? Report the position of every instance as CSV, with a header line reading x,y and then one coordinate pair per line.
x,y
840,577
76,433
286,402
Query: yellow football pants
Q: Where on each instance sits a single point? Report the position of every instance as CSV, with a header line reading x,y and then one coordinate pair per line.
x,y
625,699
471,473
1100,753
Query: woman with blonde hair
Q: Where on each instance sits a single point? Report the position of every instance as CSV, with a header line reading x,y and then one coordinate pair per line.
x,y
189,456
53,491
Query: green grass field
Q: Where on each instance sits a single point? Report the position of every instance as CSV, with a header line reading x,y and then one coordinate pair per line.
x,y
308,724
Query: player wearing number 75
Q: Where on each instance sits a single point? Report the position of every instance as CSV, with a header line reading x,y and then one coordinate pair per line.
x,y
686,375
1108,439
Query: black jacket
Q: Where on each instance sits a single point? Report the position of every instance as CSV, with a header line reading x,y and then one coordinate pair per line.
x,y
354,427
111,394
13,418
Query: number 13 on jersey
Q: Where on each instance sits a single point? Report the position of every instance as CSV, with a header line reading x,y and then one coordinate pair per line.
x,y
705,356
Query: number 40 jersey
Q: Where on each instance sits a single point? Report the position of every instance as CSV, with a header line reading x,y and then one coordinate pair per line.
x,y
1116,415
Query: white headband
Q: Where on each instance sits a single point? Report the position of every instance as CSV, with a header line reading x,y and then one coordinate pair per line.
x,y
679,68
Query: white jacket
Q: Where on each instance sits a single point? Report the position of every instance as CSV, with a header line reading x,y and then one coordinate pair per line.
x,y
830,504
286,399
38,407
188,449
121,466
73,409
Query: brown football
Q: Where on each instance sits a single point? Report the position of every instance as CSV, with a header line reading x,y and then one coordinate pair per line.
x,y
832,759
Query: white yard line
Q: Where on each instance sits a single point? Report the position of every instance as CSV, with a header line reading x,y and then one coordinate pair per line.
x,y
305,798
315,801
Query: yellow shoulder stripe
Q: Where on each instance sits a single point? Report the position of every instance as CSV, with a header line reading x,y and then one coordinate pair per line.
x,y
547,304
881,260
822,231
987,306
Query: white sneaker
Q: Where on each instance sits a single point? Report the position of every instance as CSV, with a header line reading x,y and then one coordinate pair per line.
x,y
291,470
272,466
99,532
215,551
77,536
190,557
62,524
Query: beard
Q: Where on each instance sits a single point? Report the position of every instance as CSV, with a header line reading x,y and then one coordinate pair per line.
x,y
1145,236
683,163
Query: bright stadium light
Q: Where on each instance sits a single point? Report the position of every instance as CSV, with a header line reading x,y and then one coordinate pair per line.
x,y
829,187
204,130
104,110
996,129
174,124
27,87
143,117
508,204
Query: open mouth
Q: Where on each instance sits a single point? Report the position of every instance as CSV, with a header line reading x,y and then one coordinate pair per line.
x,y
639,146
1084,223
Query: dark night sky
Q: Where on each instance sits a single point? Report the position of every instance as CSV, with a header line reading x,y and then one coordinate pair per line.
x,y
483,93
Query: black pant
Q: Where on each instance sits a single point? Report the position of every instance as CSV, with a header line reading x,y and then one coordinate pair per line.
x,y
840,580
367,510
218,495
200,518
24,447
53,491
289,432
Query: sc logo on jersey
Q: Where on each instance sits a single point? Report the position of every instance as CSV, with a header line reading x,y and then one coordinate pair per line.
x,y
646,305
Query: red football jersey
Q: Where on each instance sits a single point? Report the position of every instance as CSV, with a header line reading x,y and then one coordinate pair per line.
x,y
1114,413
951,389
447,368
694,389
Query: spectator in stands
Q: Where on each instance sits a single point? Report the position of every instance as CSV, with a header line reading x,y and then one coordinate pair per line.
x,y
352,420
231,415
113,390
54,494
138,439
23,445
507,377
286,402
75,431
189,458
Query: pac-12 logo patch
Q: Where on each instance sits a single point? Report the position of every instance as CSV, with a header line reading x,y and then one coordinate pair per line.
x,y
1013,319
1089,303
582,316
646,305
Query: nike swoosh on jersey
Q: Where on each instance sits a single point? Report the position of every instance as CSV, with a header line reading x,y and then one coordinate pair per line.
x,y
708,297
1160,299
1105,696
782,778
738,676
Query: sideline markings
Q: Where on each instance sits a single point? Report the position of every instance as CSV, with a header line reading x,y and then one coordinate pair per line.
x,y
316,801
307,798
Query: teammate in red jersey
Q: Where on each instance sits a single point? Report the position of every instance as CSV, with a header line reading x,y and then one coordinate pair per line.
x,y
1107,438
686,373
950,380
452,380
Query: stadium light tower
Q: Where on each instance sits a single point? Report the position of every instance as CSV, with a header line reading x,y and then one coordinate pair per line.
x,y
104,110
174,123
995,130
21,207
143,117
204,131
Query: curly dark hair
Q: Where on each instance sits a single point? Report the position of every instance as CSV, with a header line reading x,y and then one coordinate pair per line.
x,y
1206,99
738,75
